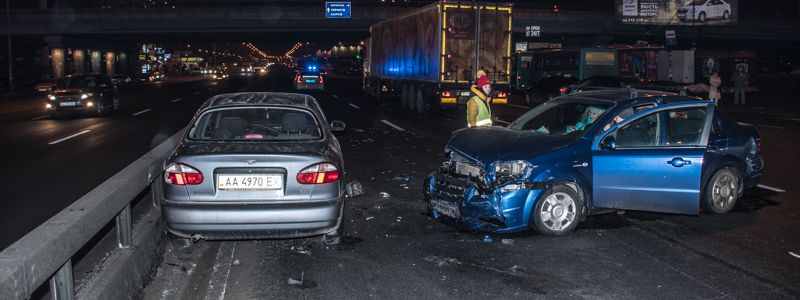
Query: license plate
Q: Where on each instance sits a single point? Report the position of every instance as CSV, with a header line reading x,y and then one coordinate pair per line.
x,y
500,101
449,209
464,94
250,182
68,103
448,100
311,81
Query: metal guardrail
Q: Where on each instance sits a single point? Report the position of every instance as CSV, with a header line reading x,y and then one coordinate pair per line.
x,y
47,251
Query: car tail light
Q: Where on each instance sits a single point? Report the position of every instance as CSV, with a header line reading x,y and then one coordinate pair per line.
x,y
502,95
320,79
563,90
180,174
299,79
446,94
318,174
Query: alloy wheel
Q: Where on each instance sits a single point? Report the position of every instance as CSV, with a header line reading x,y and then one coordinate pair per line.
x,y
724,191
558,211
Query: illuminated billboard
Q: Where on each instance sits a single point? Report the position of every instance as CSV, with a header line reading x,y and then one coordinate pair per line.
x,y
677,12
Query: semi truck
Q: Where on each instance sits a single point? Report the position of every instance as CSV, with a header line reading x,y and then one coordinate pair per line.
x,y
430,56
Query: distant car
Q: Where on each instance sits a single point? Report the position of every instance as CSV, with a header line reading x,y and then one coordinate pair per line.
x,y
155,76
89,93
121,79
554,165
702,10
219,74
309,79
45,85
257,165
547,88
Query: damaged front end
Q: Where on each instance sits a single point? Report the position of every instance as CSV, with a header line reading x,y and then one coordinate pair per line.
x,y
485,198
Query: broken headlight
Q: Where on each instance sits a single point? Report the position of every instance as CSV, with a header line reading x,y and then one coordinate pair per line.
x,y
509,170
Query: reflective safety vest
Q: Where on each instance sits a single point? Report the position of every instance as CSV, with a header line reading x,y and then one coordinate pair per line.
x,y
484,117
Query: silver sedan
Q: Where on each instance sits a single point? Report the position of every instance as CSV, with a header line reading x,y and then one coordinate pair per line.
x,y
256,165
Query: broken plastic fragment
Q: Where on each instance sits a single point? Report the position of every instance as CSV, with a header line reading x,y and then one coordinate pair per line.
x,y
507,241
354,189
487,239
384,194
293,281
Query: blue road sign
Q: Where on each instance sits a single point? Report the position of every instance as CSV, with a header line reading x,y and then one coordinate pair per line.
x,y
337,10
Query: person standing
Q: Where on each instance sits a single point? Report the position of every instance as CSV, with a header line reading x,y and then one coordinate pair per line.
x,y
479,112
713,87
740,81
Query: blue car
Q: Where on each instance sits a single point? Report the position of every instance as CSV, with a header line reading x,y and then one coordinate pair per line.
x,y
593,152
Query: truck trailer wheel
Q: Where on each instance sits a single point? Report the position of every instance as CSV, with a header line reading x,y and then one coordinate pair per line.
x,y
421,103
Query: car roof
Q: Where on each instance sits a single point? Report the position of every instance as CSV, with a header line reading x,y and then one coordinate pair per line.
x,y
620,95
261,98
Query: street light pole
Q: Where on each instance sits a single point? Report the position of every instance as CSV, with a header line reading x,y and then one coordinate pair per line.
x,y
10,56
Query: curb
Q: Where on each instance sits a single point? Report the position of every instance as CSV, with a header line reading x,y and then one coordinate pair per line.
x,y
126,272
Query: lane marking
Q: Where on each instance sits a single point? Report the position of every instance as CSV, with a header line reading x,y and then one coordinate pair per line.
x,y
504,122
770,126
176,100
393,125
141,112
353,106
793,254
518,106
769,188
40,117
69,137
196,93
335,97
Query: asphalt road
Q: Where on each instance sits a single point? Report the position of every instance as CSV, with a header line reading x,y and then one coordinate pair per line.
x,y
47,164
394,250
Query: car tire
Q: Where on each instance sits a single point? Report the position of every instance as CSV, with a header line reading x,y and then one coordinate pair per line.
x,y
701,17
558,211
726,15
722,191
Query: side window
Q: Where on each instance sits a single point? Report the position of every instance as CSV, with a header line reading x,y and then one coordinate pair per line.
x,y
642,132
684,127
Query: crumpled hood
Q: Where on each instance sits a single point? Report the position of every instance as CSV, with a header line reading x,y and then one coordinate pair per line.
x,y
490,144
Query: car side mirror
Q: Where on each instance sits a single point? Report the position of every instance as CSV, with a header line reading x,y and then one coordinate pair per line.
x,y
338,127
609,143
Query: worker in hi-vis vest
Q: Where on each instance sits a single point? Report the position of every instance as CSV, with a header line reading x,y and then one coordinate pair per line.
x,y
479,112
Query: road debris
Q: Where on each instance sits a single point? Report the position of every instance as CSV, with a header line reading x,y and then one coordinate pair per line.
x,y
487,239
354,189
370,218
236,262
507,241
293,281
384,194
441,261
402,178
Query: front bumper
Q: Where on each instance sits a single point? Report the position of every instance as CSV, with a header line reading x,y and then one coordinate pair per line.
x,y
481,209
223,220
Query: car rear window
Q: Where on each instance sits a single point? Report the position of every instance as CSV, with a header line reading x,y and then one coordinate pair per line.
x,y
256,124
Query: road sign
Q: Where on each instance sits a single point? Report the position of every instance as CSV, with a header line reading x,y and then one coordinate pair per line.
x,y
337,10
671,38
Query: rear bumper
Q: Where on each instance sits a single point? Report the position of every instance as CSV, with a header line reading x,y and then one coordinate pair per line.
x,y
252,220
310,86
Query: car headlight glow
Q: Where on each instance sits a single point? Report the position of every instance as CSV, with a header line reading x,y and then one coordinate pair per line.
x,y
89,104
51,97
85,95
48,106
506,170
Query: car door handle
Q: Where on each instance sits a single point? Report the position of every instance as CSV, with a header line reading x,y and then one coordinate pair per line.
x,y
679,162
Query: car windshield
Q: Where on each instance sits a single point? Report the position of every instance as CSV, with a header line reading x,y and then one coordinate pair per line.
x,y
561,119
255,124
77,82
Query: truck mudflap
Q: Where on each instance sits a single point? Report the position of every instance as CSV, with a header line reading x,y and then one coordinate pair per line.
x,y
463,202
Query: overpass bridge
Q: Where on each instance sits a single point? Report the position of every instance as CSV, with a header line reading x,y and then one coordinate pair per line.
x,y
276,19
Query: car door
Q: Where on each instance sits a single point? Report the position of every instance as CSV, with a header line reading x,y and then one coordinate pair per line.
x,y
716,9
654,160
